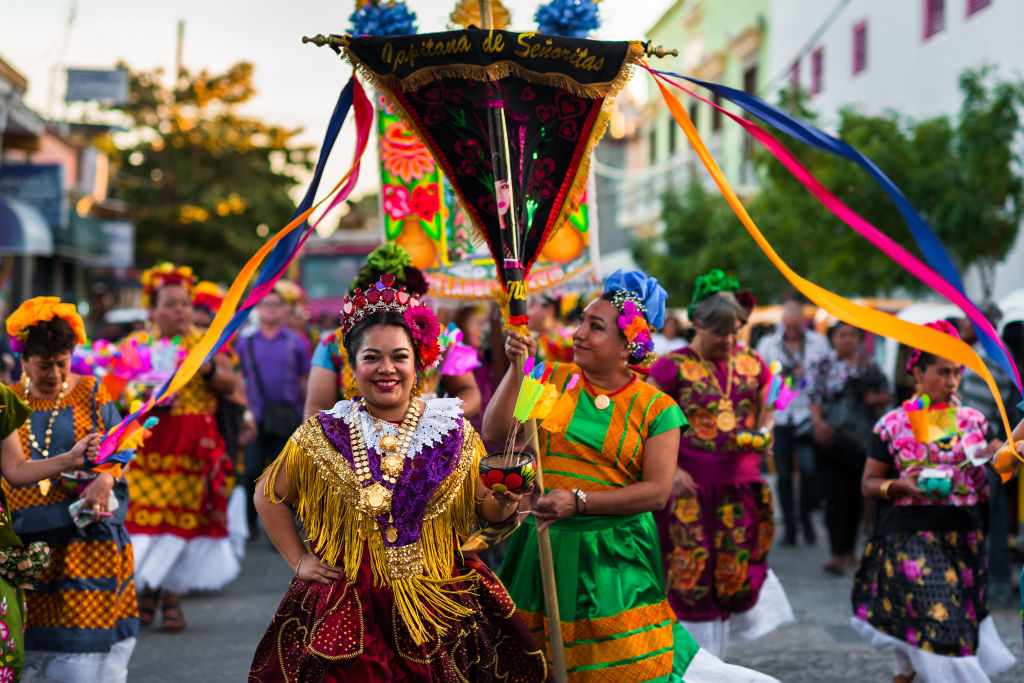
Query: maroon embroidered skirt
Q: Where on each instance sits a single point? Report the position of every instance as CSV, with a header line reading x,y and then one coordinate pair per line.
x,y
351,632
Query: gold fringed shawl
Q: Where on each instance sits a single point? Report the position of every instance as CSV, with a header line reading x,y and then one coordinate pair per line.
x,y
324,492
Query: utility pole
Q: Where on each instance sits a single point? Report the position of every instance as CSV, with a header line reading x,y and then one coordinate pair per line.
x,y
179,48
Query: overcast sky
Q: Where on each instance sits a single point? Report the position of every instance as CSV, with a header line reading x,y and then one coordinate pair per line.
x,y
297,83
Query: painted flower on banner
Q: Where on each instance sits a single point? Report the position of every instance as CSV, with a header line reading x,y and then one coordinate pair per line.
x,y
403,155
396,202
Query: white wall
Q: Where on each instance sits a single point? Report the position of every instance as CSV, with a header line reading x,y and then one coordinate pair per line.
x,y
905,73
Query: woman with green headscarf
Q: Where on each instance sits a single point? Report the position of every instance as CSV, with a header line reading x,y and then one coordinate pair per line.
x,y
719,524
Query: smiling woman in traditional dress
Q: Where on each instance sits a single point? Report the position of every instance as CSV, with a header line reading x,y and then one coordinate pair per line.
x,y
179,480
603,476
386,486
718,529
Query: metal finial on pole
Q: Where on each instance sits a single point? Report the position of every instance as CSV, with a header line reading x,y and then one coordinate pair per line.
x,y
660,51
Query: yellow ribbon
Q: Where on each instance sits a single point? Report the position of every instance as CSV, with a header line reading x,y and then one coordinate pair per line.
x,y
915,336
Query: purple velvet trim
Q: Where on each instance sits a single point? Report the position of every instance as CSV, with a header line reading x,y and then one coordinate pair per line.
x,y
419,481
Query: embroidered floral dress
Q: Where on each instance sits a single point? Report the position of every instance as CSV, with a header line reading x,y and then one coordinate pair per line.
x,y
410,605
715,545
921,585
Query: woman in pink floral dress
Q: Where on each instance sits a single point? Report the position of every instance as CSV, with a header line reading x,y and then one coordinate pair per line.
x,y
720,523
921,585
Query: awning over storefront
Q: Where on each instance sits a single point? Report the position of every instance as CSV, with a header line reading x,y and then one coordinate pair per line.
x,y
23,230
82,240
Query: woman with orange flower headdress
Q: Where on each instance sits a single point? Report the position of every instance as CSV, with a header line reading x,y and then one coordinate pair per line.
x,y
719,524
82,617
178,517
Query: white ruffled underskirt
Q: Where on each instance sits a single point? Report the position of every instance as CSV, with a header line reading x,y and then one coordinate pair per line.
x,y
238,521
43,666
771,611
992,656
176,565
707,668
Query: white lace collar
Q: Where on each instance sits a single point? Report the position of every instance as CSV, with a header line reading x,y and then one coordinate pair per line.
x,y
440,417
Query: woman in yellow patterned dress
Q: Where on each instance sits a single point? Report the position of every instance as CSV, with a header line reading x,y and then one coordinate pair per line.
x,y
82,617
178,516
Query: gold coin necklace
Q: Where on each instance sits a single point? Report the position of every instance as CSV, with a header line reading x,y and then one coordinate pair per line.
x,y
375,497
44,450
602,401
726,419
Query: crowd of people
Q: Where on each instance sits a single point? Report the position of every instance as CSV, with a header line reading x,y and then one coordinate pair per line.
x,y
361,462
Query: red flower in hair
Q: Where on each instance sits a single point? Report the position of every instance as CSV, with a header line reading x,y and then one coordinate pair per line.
x,y
423,325
430,352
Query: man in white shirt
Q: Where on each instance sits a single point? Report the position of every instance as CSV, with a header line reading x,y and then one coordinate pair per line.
x,y
796,348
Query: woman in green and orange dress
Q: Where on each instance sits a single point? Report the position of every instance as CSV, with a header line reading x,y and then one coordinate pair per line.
x,y
604,476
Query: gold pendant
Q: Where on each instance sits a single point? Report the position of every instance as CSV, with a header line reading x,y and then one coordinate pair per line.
x,y
375,500
392,465
391,534
389,443
601,402
726,421
44,486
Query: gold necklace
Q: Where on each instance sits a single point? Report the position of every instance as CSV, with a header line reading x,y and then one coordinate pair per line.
x,y
375,497
726,418
44,484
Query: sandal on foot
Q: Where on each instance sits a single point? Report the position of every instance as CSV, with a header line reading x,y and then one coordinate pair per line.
x,y
147,607
173,619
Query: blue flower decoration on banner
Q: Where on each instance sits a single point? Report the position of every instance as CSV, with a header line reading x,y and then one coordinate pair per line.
x,y
647,288
571,18
393,19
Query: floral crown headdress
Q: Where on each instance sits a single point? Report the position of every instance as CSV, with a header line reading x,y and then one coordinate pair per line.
x,y
715,280
394,259
640,301
165,273
207,295
41,309
941,326
424,329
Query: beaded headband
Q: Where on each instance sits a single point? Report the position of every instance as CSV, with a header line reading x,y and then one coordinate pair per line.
x,y
424,329
165,273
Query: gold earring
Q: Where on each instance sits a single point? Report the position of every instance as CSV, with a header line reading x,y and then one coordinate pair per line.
x,y
351,389
26,381
416,392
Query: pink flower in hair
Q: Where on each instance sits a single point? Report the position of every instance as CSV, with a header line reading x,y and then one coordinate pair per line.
x,y
940,325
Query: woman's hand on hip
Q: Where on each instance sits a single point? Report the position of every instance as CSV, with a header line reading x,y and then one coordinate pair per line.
x,y
312,568
683,485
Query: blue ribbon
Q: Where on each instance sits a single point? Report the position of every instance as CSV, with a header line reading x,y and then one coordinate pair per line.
x,y
927,241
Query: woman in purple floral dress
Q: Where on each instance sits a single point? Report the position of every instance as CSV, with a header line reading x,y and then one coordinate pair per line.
x,y
921,585
720,522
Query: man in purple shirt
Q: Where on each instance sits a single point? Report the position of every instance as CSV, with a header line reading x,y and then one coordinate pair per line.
x,y
275,365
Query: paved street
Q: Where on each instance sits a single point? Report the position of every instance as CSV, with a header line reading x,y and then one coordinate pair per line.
x,y
223,628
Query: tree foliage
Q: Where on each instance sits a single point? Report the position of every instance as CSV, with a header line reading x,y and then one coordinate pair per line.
x,y
202,176
962,176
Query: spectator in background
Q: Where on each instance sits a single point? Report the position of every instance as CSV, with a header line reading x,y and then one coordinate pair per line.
x,y
848,393
796,349
10,367
275,364
976,394
669,338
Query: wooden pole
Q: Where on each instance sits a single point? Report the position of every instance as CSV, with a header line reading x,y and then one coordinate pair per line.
x,y
511,256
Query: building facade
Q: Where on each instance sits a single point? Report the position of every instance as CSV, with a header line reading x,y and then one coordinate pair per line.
x,y
878,56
